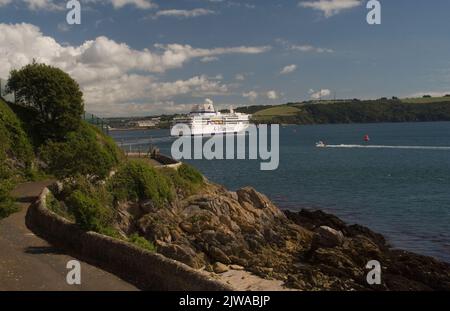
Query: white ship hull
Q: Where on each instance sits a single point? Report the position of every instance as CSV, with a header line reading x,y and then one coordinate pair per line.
x,y
205,121
207,130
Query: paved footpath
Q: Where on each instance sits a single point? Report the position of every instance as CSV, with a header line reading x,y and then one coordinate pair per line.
x,y
28,262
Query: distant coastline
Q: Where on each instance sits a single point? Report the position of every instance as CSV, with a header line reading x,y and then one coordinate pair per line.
x,y
357,111
340,111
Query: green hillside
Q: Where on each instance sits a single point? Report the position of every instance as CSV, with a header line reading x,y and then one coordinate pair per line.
x,y
44,134
14,143
16,155
426,100
283,110
355,111
277,111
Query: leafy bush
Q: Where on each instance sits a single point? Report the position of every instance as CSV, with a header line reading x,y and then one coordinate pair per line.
x,y
136,180
90,214
189,173
187,180
58,208
16,155
142,242
14,143
89,204
53,95
85,152
7,203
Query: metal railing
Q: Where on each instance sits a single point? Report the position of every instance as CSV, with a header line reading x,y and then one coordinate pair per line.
x,y
96,121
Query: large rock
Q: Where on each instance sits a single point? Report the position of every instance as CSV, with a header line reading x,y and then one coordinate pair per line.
x,y
311,250
184,253
327,237
217,254
251,199
313,219
219,267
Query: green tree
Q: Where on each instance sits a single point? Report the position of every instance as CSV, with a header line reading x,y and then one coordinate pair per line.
x,y
52,94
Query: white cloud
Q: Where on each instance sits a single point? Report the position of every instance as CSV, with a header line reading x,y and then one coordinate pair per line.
x,y
310,48
47,5
4,2
57,5
112,73
240,77
302,47
23,42
144,109
140,4
330,7
209,59
319,94
252,95
175,55
288,69
133,87
272,95
183,13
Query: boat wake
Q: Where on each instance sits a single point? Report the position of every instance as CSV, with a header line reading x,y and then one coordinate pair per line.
x,y
388,147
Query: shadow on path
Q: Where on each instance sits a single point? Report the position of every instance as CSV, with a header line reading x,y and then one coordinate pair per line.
x,y
43,250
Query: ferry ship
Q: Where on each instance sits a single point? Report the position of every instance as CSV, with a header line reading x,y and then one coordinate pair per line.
x,y
205,120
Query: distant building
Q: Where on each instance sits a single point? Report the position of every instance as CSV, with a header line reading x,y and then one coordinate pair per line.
x,y
154,122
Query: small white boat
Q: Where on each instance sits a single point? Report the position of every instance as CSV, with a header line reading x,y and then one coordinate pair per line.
x,y
320,144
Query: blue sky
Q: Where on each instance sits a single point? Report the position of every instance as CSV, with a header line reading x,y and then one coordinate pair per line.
x,y
142,57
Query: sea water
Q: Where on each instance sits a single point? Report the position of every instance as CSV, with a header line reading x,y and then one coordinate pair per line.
x,y
403,193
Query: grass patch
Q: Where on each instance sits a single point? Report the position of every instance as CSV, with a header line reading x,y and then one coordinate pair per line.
x,y
89,212
7,208
58,208
282,110
275,114
186,180
7,203
426,100
90,204
190,174
142,242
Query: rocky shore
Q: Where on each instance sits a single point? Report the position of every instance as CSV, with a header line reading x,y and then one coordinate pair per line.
x,y
220,231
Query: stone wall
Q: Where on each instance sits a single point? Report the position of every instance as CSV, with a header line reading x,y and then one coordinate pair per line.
x,y
146,270
165,160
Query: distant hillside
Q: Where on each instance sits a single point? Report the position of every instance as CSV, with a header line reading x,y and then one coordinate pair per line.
x,y
426,100
334,111
251,109
284,110
355,111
